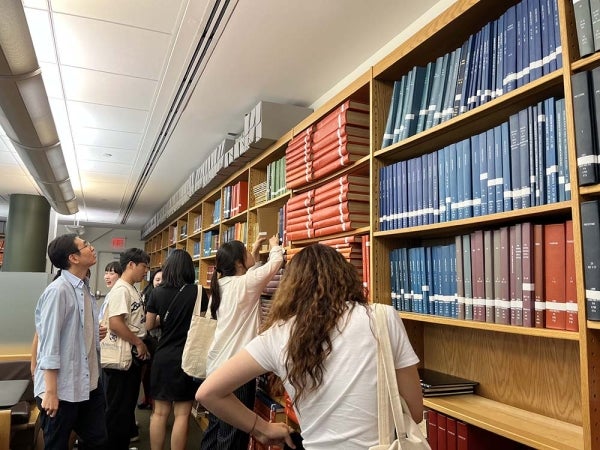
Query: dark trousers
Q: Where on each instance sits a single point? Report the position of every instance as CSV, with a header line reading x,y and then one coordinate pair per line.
x,y
86,418
220,435
122,390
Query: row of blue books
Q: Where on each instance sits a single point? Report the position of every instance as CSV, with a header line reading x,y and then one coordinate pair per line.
x,y
520,46
423,280
210,243
520,163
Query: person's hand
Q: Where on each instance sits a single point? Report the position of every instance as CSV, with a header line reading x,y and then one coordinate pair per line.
x,y
102,332
142,351
274,240
258,244
50,404
273,434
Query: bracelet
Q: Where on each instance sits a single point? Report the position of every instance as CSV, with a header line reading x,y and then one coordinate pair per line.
x,y
253,426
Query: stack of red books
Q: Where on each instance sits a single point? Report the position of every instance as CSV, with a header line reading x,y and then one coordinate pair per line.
x,y
299,222
341,205
338,140
298,160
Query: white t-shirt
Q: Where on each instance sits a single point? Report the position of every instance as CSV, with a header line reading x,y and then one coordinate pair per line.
x,y
125,299
239,314
342,413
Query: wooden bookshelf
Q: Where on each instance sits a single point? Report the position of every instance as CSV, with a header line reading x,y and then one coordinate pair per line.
x,y
520,425
537,386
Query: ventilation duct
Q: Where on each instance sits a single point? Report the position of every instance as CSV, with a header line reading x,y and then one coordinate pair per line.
x,y
212,27
25,111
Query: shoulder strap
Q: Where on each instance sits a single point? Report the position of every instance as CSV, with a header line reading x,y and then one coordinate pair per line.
x,y
164,319
198,305
387,384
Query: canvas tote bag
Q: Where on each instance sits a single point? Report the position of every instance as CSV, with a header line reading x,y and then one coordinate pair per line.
x,y
115,353
199,339
409,436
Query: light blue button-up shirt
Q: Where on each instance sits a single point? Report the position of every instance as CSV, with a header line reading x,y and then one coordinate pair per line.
x,y
59,322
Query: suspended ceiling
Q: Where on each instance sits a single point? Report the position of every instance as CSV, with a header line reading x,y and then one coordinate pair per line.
x,y
112,70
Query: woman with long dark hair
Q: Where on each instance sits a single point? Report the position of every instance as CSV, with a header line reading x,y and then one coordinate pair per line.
x,y
319,339
235,289
173,301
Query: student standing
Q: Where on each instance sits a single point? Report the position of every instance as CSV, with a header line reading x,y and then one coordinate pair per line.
x,y
126,319
151,339
327,359
66,381
235,289
173,301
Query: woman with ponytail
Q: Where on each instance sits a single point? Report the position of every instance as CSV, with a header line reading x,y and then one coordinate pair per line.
x,y
236,285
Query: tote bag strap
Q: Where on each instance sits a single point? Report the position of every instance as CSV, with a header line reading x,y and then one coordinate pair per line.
x,y
387,384
198,305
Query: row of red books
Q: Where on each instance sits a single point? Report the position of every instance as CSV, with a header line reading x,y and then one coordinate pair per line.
x,y
338,140
447,433
235,199
523,275
339,205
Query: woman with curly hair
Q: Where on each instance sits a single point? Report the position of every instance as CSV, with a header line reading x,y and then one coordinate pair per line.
x,y
319,339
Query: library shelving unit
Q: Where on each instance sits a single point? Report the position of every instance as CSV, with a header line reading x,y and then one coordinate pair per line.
x,y
537,386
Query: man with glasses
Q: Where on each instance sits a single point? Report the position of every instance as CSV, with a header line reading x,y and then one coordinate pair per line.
x,y
126,319
66,380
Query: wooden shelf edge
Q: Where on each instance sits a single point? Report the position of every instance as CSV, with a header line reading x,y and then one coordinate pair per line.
x,y
495,327
533,211
535,430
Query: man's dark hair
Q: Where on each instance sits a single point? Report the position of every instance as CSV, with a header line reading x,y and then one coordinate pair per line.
x,y
60,248
134,255
114,266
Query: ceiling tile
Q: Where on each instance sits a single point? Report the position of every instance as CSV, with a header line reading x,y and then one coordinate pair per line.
x,y
110,47
106,138
41,34
108,89
89,166
38,4
51,77
8,159
117,156
107,117
159,15
92,179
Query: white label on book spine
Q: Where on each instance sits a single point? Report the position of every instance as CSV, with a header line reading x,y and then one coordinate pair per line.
x,y
592,295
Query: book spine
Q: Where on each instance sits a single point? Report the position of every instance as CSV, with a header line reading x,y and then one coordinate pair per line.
x,y
583,21
572,320
538,277
590,235
554,263
527,279
584,130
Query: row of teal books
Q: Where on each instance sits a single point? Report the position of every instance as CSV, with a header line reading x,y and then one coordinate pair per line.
x,y
518,164
522,45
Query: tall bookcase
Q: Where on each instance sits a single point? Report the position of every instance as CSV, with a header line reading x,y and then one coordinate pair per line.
x,y
538,386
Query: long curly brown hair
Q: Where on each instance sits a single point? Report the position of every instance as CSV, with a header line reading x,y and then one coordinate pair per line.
x,y
317,288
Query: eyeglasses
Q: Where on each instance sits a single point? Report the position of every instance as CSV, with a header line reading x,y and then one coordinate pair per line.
x,y
85,244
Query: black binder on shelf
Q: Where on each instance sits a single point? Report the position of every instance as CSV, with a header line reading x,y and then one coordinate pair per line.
x,y
436,384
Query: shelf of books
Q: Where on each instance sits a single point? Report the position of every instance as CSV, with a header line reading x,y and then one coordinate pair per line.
x,y
460,176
